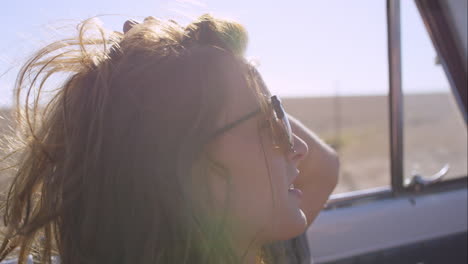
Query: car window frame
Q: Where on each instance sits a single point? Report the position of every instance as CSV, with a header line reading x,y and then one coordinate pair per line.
x,y
435,22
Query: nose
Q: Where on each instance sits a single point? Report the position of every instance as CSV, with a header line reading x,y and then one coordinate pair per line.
x,y
300,150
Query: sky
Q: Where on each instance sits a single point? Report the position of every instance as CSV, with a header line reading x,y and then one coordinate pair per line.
x,y
303,47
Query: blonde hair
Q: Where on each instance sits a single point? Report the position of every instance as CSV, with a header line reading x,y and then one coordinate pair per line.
x,y
125,129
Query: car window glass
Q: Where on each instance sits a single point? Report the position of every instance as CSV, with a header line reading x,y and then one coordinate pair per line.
x,y
341,60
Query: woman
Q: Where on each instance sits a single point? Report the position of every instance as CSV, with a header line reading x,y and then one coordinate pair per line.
x,y
163,146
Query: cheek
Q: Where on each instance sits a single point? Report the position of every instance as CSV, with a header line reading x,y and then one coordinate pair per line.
x,y
257,178
249,182
258,199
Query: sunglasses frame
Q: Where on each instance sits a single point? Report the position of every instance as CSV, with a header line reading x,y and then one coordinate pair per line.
x,y
283,135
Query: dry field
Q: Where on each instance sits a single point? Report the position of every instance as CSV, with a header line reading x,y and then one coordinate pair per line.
x,y
358,128
434,135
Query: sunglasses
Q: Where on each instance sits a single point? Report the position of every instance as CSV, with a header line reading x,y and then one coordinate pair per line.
x,y
277,121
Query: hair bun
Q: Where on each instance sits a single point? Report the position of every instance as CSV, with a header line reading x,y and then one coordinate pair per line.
x,y
226,34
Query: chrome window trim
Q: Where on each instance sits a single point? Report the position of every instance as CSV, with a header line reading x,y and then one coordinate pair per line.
x,y
395,95
352,198
348,199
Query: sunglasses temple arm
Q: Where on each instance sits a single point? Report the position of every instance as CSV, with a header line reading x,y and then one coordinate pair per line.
x,y
233,124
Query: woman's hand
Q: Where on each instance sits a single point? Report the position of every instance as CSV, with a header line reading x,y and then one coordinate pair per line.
x,y
128,25
318,171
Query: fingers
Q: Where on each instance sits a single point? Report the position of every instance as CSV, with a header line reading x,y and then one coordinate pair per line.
x,y
150,19
129,24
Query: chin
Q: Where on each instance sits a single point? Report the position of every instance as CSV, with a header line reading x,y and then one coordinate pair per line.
x,y
299,226
291,227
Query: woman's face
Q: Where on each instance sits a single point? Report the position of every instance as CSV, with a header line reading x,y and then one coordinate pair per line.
x,y
260,206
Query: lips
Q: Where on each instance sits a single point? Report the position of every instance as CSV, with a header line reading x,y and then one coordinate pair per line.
x,y
296,192
291,183
292,189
